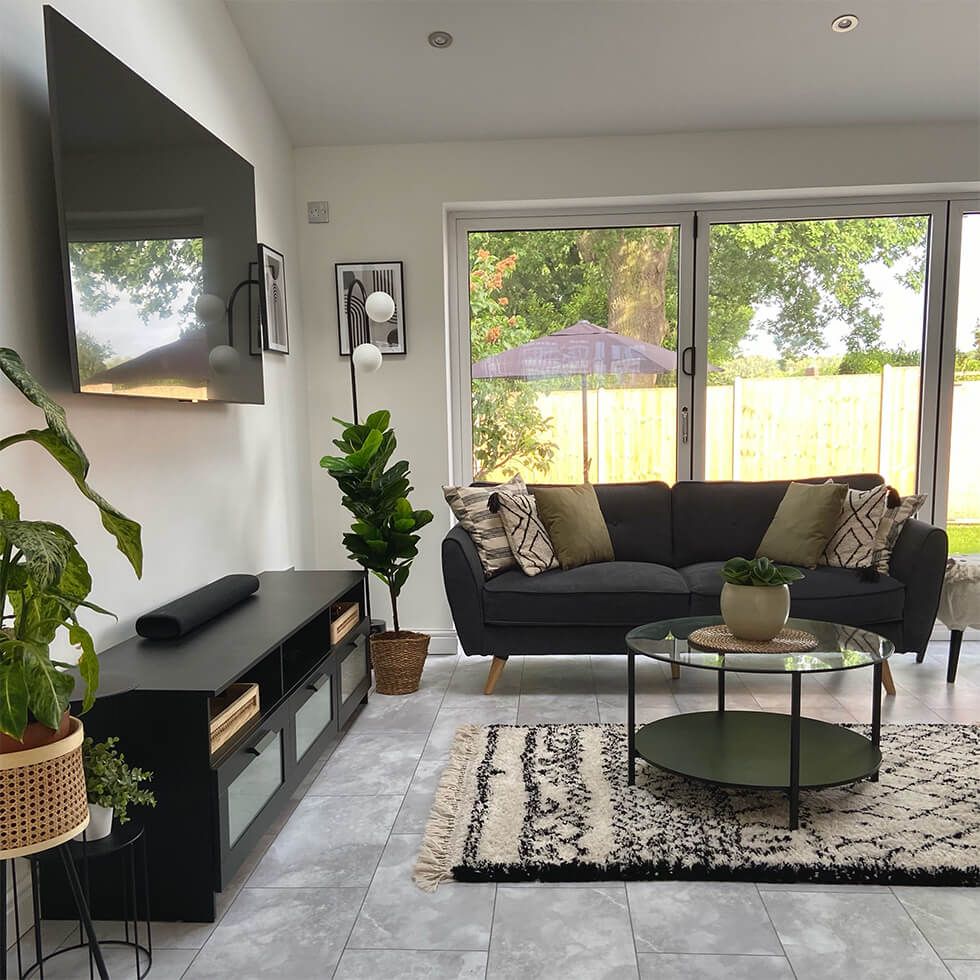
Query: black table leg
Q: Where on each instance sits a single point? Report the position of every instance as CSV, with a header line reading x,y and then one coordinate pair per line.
x,y
721,690
631,716
76,890
876,711
36,899
794,755
3,920
955,642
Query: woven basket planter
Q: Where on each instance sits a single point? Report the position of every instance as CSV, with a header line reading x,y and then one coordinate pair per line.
x,y
43,802
398,659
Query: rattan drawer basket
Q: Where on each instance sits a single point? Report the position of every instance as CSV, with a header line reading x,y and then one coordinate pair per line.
x,y
231,711
43,802
344,616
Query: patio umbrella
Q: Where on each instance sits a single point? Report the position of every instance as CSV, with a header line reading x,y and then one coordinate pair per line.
x,y
581,349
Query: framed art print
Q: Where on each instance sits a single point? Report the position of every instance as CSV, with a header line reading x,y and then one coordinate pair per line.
x,y
386,277
272,300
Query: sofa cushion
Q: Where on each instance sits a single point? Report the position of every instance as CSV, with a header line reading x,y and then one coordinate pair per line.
x,y
719,519
620,593
831,594
638,518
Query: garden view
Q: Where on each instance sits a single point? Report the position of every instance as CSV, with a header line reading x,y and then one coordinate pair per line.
x,y
815,331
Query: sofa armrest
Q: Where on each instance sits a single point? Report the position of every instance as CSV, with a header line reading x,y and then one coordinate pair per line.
x,y
919,563
462,575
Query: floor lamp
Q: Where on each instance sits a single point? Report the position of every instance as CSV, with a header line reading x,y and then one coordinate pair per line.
x,y
363,309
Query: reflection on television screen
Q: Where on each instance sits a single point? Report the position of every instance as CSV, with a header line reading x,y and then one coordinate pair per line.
x,y
135,325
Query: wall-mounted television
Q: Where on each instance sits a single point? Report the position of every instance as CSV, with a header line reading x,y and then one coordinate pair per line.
x,y
156,212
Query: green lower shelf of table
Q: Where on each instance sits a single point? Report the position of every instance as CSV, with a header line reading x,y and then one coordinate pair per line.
x,y
751,749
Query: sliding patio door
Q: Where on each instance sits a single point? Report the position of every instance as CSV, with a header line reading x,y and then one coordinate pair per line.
x,y
815,328
570,347
793,341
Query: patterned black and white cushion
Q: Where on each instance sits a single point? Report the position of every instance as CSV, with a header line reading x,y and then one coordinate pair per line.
x,y
469,504
852,543
891,527
529,541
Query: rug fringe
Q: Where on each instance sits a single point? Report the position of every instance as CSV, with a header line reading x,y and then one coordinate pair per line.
x,y
434,865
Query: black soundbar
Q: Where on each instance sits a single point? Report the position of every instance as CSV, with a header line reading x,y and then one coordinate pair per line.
x,y
194,609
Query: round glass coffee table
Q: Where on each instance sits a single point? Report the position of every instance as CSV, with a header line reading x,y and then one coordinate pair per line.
x,y
758,749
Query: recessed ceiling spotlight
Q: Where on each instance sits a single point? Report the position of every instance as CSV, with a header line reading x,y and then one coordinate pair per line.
x,y
440,39
844,24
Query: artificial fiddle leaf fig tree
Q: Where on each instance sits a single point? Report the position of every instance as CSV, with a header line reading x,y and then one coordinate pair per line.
x,y
44,580
383,538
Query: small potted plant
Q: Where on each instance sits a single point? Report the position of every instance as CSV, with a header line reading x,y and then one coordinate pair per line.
x,y
383,538
112,786
755,597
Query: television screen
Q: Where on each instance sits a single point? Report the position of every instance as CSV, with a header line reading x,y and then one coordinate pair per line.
x,y
158,229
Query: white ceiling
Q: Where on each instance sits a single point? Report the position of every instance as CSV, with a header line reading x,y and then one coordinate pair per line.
x,y
360,71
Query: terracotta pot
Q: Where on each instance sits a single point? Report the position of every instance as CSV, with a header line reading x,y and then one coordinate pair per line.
x,y
754,612
36,736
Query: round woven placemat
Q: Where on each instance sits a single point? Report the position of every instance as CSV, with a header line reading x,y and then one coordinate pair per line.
x,y
720,639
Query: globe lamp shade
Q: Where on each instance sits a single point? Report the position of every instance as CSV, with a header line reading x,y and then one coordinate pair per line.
x,y
380,307
367,358
209,308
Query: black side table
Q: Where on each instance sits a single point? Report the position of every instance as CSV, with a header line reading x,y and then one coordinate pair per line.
x,y
128,841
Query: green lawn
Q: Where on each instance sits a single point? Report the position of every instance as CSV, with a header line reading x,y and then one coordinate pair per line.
x,y
964,539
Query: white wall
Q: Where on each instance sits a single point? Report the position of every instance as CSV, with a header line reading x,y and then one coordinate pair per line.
x,y
217,488
386,202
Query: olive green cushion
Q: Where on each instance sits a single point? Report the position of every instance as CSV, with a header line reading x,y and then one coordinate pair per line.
x,y
804,522
575,524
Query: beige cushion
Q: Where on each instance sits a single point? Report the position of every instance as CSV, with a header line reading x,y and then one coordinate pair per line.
x,y
804,522
529,541
470,505
575,525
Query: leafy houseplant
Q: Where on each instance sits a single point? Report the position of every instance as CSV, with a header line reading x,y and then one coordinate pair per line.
x,y
44,581
755,596
383,538
112,786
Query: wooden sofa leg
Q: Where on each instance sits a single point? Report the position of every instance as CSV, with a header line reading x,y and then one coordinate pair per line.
x,y
886,678
496,669
675,671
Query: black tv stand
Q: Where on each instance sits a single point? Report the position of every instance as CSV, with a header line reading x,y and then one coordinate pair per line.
x,y
212,810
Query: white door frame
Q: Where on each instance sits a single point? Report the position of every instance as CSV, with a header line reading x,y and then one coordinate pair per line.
x,y
958,209
458,227
935,210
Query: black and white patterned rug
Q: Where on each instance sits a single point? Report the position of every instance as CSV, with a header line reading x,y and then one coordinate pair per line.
x,y
551,803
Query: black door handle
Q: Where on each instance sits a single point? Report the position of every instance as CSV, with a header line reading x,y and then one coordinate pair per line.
x,y
262,743
688,352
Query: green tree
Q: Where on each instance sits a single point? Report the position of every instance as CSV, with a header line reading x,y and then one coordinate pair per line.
x,y
160,277
802,274
508,427
93,354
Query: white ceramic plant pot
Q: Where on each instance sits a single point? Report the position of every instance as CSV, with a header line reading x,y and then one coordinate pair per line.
x,y
99,823
754,612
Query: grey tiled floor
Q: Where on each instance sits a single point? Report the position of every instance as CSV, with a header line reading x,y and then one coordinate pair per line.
x,y
331,895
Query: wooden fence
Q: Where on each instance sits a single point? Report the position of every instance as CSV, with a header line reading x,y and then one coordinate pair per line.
x,y
767,428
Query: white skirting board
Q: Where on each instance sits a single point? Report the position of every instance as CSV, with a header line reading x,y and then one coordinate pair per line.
x,y
444,642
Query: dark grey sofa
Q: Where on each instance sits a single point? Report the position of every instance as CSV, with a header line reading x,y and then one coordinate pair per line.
x,y
670,543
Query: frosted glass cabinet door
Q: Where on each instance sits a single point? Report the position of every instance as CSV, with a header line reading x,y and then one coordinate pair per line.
x,y
353,670
314,715
255,785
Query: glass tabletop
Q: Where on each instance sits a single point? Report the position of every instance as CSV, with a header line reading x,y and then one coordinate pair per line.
x,y
838,648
